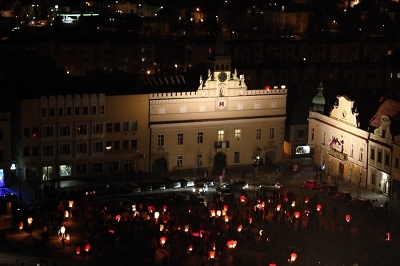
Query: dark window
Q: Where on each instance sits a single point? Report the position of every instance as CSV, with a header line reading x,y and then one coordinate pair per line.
x,y
69,111
97,167
85,110
93,110
116,145
387,159
27,132
44,112
109,127
300,134
34,132
26,151
81,169
125,126
379,157
134,144
116,126
52,112
60,111
77,111
1,156
125,144
1,134
35,151
134,126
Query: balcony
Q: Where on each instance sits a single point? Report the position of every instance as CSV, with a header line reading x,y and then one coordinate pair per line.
x,y
334,153
221,144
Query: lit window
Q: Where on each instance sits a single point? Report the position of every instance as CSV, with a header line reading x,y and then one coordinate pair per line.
x,y
81,129
361,157
272,133
237,134
179,160
221,135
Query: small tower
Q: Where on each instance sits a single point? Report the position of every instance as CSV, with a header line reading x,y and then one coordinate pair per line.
x,y
319,100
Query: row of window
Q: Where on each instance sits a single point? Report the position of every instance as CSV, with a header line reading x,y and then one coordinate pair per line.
x,y
65,170
81,147
69,111
80,129
199,159
379,156
221,104
220,136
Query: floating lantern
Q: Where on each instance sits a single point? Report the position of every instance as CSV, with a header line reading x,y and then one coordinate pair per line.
x,y
347,217
293,257
66,214
133,207
164,208
242,199
156,215
294,203
77,249
68,238
161,227
30,220
226,218
250,220
21,225
319,207
212,213
190,248
239,228
87,247
212,255
387,236
70,203
218,213
278,207
296,214
272,264
223,212
163,239
186,228
62,229
231,243
225,207
118,217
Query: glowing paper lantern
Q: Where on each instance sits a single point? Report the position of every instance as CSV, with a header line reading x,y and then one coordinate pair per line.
x,y
212,213
68,238
190,248
30,220
223,212
242,199
225,207
156,215
77,249
118,217
296,214
218,213
87,247
161,227
70,203
186,228
293,257
347,217
62,229
133,207
387,236
278,207
226,218
163,239
66,214
294,203
212,255
272,264
231,243
319,207
250,220
21,225
239,228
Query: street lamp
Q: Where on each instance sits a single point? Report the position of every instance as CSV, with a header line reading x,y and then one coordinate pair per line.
x,y
256,161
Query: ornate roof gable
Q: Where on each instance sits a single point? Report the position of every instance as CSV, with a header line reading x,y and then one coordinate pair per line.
x,y
343,111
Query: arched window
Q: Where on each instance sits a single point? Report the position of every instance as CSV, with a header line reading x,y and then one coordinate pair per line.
x,y
222,67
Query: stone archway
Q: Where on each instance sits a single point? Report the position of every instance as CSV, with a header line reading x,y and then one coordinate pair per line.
x,y
270,158
159,166
219,161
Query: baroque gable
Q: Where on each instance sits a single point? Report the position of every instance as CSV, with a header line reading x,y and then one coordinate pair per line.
x,y
343,111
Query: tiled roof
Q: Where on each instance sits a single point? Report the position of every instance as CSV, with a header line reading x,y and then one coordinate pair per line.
x,y
388,107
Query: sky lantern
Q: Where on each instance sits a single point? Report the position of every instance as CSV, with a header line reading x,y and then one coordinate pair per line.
x,y
156,215
239,228
186,228
225,207
293,203
242,199
87,247
218,213
223,212
387,236
347,217
30,220
77,249
161,227
70,203
212,213
250,220
278,207
190,248
68,238
319,207
231,243
133,207
21,226
296,214
118,217
226,218
272,264
212,254
66,214
163,239
293,257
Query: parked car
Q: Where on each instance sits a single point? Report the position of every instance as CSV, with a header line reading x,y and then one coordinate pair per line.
x,y
329,190
171,183
311,184
145,186
344,196
223,186
361,203
238,185
157,185
210,182
271,186
186,182
200,188
135,188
